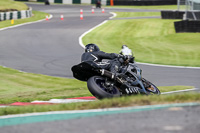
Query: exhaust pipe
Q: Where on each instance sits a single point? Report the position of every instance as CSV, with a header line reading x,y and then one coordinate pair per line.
x,y
107,73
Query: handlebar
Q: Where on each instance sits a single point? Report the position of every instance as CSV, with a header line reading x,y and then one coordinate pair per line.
x,y
126,58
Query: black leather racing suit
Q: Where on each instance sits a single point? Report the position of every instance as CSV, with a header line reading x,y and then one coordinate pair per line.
x,y
112,65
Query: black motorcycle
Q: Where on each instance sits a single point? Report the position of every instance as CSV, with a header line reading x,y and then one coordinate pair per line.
x,y
104,84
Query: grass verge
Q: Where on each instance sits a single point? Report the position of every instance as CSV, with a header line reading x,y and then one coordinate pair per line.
x,y
17,86
11,4
152,41
137,100
26,87
136,14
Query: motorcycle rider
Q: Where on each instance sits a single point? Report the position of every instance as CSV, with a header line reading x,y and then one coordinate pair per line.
x,y
94,56
93,53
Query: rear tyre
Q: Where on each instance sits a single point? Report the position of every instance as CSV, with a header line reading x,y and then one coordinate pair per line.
x,y
97,86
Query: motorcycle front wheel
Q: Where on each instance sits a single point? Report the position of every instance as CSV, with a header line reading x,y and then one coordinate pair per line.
x,y
150,87
98,87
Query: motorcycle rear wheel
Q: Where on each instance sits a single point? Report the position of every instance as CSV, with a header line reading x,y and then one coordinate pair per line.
x,y
97,87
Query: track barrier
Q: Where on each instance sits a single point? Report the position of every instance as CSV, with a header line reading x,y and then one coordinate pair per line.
x,y
172,14
187,26
9,15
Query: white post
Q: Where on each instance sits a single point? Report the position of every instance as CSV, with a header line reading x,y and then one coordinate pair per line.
x,y
192,8
186,11
178,4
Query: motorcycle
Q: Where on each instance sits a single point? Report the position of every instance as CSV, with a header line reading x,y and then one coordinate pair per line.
x,y
105,84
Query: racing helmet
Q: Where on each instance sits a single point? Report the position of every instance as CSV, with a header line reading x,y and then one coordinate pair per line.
x,y
91,48
123,46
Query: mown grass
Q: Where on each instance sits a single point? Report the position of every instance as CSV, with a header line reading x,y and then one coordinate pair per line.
x,y
173,88
11,4
17,86
152,41
136,14
136,100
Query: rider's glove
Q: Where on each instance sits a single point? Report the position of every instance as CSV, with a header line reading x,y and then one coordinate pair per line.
x,y
131,60
126,57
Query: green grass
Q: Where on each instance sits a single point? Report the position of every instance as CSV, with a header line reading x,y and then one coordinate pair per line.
x,y
136,14
26,87
160,7
11,4
173,88
18,86
136,100
152,41
36,16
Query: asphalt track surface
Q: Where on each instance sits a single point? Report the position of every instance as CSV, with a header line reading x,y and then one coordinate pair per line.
x,y
52,48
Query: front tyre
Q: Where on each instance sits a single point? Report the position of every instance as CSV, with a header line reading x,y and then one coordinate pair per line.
x,y
150,88
98,87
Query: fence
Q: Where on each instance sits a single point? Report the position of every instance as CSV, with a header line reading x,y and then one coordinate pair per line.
x,y
192,10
